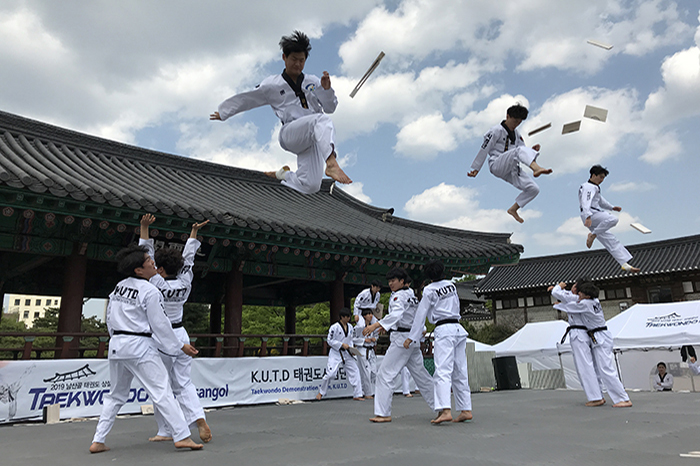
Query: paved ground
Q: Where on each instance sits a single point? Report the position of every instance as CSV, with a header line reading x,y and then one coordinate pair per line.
x,y
524,427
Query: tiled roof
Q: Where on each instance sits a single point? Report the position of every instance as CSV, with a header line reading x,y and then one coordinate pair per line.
x,y
674,255
465,291
43,158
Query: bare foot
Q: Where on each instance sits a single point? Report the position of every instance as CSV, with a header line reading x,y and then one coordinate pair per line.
x,y
98,447
189,443
334,171
160,438
443,416
514,213
408,395
271,174
623,404
541,171
596,402
369,397
380,419
318,397
589,240
628,268
359,399
464,416
204,430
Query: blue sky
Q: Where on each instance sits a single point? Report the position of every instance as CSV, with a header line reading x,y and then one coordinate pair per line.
x,y
149,74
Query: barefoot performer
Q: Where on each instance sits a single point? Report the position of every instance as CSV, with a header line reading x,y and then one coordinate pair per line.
x,y
398,322
340,337
506,149
302,102
594,216
440,304
174,280
601,341
367,361
135,320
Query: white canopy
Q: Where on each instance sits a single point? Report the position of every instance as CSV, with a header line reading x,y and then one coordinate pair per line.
x,y
478,346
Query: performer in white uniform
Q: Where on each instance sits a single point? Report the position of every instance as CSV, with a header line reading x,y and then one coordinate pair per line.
x,y
340,336
601,340
440,304
406,383
367,299
302,103
174,280
135,320
663,381
580,341
506,150
595,217
367,362
398,322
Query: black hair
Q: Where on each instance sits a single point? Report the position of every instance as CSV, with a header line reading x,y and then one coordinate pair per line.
x,y
130,258
661,364
517,111
376,283
296,42
598,170
434,270
366,311
345,312
589,289
399,274
170,259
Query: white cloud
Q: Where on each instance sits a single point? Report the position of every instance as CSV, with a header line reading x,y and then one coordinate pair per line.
x,y
426,136
355,189
631,186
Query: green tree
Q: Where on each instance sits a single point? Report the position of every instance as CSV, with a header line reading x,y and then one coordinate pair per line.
x,y
8,325
195,317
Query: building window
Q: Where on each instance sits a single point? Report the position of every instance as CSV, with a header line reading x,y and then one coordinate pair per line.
x,y
16,302
687,287
620,293
36,315
55,302
26,314
499,304
27,302
38,302
660,294
545,300
510,303
48,302
521,302
530,301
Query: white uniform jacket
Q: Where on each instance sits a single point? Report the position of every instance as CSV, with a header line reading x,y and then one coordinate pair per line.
x,y
337,336
136,306
359,339
402,310
495,143
663,385
175,290
440,302
591,200
275,92
365,300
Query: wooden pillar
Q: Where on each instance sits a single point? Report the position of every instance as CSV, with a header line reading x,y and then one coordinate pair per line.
x,y
337,299
71,310
214,322
290,323
233,308
2,300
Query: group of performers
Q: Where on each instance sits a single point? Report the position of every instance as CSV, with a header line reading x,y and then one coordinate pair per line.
x,y
145,311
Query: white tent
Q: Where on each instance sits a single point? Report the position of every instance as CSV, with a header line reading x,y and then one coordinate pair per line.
x,y
478,346
646,334
537,343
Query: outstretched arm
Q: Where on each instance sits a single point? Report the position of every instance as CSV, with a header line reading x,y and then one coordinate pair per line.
x,y
146,221
196,227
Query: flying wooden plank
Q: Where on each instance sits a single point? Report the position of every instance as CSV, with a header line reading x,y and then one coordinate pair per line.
x,y
599,44
366,75
571,127
595,113
540,129
640,228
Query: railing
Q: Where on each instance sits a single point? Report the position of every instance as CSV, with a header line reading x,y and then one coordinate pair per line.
x,y
95,345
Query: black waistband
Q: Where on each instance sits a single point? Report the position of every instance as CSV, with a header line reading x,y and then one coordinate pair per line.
x,y
591,332
136,334
446,321
400,329
178,324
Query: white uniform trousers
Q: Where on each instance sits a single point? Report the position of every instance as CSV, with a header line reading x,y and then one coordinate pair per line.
x,y
396,358
151,373
405,381
450,356
351,369
367,364
601,223
312,139
605,361
584,363
179,369
507,167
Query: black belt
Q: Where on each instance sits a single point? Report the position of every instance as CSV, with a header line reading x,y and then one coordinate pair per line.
x,y
367,350
591,333
136,334
400,329
446,321
178,324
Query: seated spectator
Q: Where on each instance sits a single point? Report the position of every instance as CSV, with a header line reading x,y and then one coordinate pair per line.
x,y
663,381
